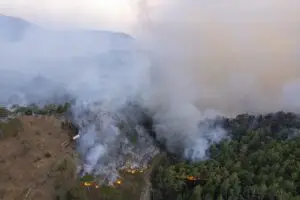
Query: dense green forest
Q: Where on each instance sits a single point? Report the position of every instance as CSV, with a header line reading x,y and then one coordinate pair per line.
x,y
261,160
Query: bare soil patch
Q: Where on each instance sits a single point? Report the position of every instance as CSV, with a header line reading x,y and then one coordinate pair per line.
x,y
31,149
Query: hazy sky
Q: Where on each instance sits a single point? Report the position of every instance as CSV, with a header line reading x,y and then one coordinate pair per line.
x,y
104,14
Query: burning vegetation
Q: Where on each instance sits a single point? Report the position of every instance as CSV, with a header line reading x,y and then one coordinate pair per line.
x,y
261,160
89,180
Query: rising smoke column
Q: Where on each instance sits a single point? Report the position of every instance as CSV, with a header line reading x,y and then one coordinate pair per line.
x,y
111,122
235,56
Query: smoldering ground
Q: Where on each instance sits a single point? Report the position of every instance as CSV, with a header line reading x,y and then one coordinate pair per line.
x,y
191,61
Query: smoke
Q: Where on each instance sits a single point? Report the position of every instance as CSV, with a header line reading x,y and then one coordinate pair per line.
x,y
218,58
231,56
227,57
191,62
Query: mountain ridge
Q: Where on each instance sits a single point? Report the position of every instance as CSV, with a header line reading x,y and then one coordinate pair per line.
x,y
13,29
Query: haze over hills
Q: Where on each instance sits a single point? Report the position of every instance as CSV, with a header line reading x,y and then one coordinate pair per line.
x,y
47,43
27,51
12,28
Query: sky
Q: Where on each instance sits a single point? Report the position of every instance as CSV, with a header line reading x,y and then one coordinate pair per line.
x,y
117,15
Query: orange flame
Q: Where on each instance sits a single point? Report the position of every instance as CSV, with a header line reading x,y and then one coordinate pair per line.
x,y
132,171
192,178
119,182
87,184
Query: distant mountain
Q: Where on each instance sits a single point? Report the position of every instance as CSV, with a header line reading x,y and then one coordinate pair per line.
x,y
50,45
13,28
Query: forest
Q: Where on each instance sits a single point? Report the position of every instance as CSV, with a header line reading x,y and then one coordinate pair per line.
x,y
260,160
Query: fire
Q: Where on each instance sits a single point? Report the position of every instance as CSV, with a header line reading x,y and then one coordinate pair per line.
x,y
87,184
90,184
129,168
192,178
132,171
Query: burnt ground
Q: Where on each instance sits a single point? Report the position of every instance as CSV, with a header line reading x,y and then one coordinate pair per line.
x,y
35,165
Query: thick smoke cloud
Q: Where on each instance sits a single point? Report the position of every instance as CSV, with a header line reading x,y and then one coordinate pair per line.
x,y
231,56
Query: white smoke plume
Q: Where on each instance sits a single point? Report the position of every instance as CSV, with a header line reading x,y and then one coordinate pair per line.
x,y
232,56
219,58
202,59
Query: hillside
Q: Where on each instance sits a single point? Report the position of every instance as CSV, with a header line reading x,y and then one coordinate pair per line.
x,y
32,157
260,160
39,160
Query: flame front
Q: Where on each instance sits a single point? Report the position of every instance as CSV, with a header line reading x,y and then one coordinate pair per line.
x,y
192,178
119,182
132,171
135,170
87,184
